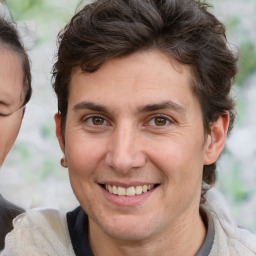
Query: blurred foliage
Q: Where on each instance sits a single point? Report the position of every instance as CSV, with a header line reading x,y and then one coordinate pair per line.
x,y
21,9
232,24
48,15
47,131
247,62
241,107
21,150
47,169
247,48
237,186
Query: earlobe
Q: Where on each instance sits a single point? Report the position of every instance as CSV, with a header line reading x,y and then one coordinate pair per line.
x,y
216,139
59,136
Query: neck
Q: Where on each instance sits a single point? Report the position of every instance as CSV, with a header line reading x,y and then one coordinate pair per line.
x,y
185,237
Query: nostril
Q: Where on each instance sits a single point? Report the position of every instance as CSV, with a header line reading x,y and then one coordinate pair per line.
x,y
125,162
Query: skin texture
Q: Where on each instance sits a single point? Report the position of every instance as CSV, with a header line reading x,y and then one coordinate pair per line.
x,y
135,121
11,99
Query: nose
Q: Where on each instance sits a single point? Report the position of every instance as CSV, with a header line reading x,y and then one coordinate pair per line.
x,y
125,150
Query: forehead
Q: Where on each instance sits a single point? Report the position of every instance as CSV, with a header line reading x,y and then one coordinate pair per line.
x,y
11,83
142,76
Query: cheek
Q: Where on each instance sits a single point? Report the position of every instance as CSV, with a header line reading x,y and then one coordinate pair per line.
x,y
180,161
9,129
84,159
14,128
83,155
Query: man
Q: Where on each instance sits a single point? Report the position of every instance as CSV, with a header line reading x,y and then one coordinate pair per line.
x,y
144,108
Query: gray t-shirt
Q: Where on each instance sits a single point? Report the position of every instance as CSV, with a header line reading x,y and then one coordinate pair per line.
x,y
209,239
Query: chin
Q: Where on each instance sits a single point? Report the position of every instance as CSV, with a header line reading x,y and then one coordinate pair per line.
x,y
129,229
132,235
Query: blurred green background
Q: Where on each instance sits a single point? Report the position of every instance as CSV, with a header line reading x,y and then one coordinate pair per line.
x,y
32,175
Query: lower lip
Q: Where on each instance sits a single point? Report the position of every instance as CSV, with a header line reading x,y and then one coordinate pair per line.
x,y
127,200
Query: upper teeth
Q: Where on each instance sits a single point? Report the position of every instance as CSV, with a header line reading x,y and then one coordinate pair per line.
x,y
130,191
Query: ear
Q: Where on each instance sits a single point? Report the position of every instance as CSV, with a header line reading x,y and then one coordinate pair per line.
x,y
59,136
216,139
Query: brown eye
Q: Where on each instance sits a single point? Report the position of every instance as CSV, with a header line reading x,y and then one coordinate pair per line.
x,y
160,121
96,120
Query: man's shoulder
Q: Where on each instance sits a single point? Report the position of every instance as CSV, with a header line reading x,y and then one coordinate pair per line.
x,y
41,218
229,238
39,232
8,211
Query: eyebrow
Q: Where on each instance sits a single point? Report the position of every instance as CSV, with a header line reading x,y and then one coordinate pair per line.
x,y
163,105
143,109
91,106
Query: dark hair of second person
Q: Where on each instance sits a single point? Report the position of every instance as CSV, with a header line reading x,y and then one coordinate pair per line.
x,y
9,39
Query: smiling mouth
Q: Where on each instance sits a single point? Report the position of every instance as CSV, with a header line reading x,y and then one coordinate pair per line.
x,y
130,191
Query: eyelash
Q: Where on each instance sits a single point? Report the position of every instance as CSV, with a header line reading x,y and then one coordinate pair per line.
x,y
167,120
90,117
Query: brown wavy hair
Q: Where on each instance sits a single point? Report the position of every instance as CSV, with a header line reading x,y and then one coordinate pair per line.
x,y
183,29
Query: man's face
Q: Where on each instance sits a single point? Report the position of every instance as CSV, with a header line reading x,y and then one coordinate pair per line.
x,y
134,128
11,96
